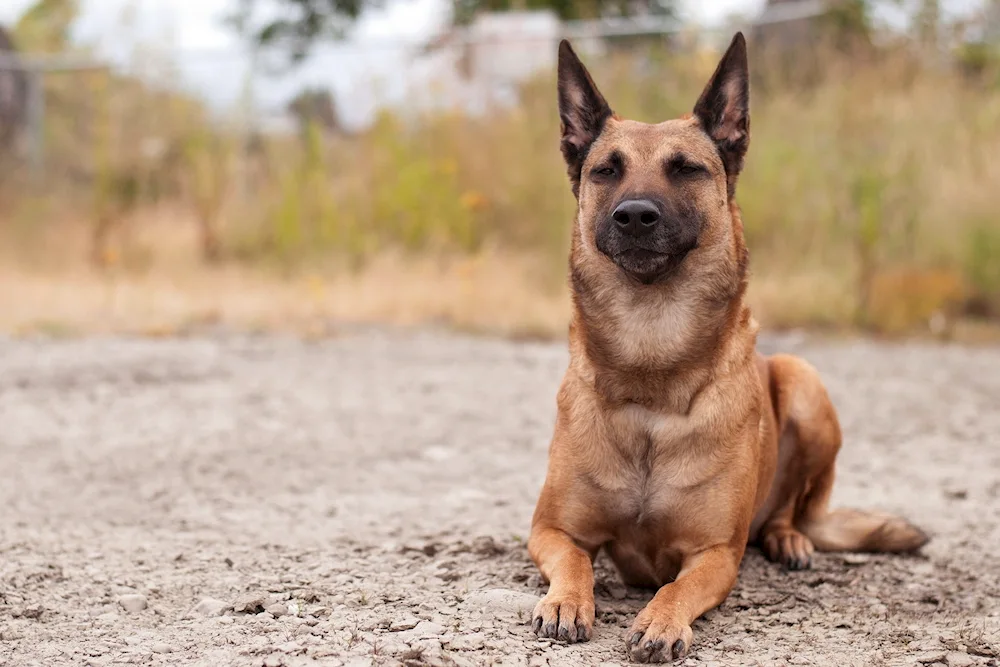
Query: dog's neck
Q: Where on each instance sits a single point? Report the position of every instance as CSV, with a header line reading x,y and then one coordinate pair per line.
x,y
659,345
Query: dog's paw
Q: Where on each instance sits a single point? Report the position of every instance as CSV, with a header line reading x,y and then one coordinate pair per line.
x,y
789,547
567,618
657,638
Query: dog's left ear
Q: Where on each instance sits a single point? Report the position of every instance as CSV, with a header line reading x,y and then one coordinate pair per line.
x,y
724,108
582,111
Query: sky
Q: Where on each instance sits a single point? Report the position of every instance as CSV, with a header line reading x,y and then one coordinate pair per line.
x,y
212,64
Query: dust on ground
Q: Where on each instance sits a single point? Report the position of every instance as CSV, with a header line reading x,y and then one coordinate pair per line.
x,y
239,500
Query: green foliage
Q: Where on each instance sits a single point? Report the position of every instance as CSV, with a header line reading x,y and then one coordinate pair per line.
x,y
305,22
302,22
983,265
45,26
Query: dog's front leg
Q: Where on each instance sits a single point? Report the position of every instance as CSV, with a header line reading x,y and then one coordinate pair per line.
x,y
662,631
567,610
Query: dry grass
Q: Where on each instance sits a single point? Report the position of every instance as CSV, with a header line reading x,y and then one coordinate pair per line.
x,y
159,287
868,197
492,292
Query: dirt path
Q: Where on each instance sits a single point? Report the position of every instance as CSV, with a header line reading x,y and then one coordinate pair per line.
x,y
372,493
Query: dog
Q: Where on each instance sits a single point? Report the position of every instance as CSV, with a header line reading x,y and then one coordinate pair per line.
x,y
676,443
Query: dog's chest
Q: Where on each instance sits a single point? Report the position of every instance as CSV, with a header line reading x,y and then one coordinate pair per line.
x,y
660,462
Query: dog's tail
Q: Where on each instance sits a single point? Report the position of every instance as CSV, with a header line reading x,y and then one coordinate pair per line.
x,y
856,530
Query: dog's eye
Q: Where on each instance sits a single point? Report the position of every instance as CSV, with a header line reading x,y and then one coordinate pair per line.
x,y
688,169
605,171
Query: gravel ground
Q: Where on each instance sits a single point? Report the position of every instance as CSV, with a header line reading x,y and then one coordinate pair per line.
x,y
365,499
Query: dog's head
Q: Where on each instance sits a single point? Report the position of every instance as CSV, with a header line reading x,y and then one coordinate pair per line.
x,y
649,195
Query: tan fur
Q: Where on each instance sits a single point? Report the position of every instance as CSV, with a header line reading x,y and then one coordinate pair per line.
x,y
676,444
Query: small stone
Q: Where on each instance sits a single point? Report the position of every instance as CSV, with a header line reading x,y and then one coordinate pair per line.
x,y
133,603
406,623
427,628
273,661
956,659
308,595
160,647
421,630
278,609
931,657
210,607
33,613
855,559
225,620
250,603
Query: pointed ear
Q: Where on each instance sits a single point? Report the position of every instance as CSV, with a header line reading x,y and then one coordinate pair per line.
x,y
582,111
724,108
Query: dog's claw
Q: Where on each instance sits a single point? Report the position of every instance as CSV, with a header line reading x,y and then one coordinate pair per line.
x,y
536,625
636,638
679,649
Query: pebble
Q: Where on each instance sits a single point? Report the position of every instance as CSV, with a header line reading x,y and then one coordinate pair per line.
x,y
956,659
855,559
133,603
250,603
160,647
210,607
428,628
502,600
273,661
406,623
277,609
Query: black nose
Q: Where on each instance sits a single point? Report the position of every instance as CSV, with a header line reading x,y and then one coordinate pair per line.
x,y
636,217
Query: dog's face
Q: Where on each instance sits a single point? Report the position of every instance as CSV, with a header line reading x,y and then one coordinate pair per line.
x,y
650,194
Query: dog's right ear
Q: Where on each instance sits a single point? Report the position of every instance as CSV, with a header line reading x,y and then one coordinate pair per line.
x,y
582,111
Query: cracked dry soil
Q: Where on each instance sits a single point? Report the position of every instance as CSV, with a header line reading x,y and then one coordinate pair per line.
x,y
364,501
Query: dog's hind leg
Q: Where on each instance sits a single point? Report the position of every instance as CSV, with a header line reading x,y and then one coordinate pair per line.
x,y
809,440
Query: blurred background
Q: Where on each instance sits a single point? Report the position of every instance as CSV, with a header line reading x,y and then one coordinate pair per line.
x,y
170,165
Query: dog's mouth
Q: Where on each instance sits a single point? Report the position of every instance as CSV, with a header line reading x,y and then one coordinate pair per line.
x,y
648,266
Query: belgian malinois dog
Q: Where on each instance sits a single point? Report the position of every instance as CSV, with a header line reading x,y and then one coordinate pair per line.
x,y
676,443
